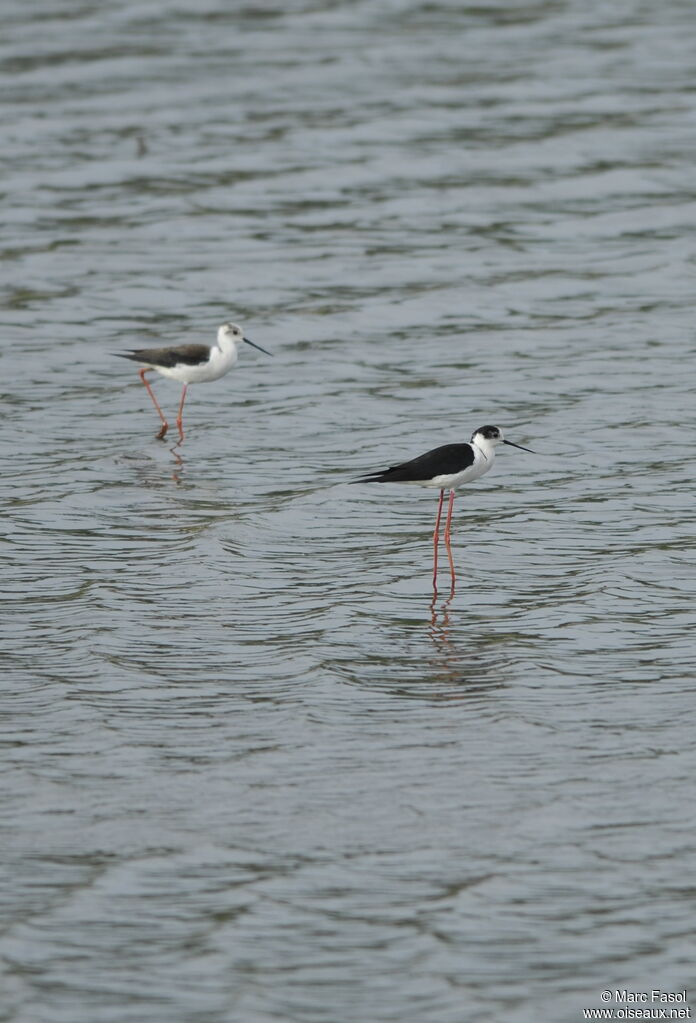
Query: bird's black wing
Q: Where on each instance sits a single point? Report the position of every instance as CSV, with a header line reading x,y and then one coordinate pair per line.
x,y
449,458
187,355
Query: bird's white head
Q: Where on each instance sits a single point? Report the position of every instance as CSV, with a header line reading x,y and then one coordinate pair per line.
x,y
229,335
488,437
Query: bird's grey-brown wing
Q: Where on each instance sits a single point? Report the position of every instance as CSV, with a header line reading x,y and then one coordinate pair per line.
x,y
186,355
442,461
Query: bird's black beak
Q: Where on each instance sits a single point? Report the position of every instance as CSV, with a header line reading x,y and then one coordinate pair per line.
x,y
257,346
519,446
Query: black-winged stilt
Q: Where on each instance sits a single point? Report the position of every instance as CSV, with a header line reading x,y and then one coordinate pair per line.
x,y
190,364
447,468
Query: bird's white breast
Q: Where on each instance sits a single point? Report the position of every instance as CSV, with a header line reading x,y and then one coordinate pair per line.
x,y
218,364
483,462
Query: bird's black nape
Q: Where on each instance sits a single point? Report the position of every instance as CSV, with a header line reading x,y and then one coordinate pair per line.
x,y
489,432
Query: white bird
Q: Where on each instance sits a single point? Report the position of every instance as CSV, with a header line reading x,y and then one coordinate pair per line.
x,y
190,364
447,467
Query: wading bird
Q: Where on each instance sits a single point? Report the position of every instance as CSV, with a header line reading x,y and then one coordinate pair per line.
x,y
447,468
190,364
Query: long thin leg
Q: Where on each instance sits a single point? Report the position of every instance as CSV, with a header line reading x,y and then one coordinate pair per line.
x,y
179,418
447,536
165,424
436,538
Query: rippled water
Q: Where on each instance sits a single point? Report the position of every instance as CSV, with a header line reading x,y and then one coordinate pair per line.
x,y
252,771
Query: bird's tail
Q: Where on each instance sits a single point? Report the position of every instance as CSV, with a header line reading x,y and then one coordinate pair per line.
x,y
383,476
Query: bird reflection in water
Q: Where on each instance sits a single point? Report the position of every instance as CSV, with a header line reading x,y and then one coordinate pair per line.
x,y
466,670
440,618
178,462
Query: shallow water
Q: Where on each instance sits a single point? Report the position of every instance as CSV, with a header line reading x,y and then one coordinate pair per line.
x,y
253,771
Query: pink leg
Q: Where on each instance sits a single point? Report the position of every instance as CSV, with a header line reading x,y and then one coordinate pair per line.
x,y
165,424
179,418
447,536
436,538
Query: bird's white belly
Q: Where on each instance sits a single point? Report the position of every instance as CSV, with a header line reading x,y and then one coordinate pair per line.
x,y
197,374
454,480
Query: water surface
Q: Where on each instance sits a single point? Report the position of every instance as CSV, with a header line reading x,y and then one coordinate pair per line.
x,y
253,772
